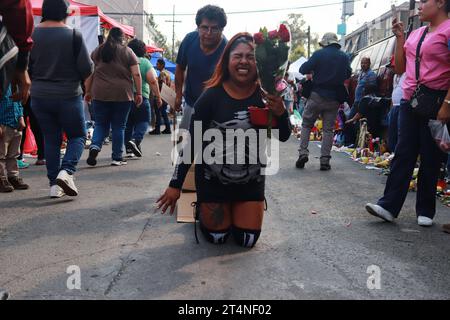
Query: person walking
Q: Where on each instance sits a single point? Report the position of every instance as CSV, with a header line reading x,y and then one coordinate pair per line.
x,y
197,58
331,67
59,62
110,88
429,76
230,197
161,111
139,117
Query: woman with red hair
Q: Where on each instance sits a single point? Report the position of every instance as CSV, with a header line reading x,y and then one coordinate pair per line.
x,y
230,197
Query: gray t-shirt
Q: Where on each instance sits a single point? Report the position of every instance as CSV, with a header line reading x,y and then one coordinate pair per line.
x,y
55,71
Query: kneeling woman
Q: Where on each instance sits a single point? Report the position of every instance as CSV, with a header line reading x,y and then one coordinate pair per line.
x,y
230,196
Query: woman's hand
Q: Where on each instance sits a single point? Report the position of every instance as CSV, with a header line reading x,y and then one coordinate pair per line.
x,y
168,199
275,103
159,102
444,113
138,99
398,28
88,97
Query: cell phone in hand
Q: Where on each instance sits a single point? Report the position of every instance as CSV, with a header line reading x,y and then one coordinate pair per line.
x,y
394,12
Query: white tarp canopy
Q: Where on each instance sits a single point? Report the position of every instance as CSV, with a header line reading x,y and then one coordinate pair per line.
x,y
295,66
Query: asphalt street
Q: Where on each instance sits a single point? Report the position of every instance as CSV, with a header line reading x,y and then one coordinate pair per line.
x,y
318,242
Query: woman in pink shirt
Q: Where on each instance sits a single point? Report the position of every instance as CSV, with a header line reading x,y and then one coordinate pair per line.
x,y
414,134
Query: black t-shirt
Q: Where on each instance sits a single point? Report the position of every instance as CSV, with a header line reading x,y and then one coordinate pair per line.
x,y
221,181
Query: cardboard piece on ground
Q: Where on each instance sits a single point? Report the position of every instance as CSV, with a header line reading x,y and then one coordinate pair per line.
x,y
185,212
189,182
168,95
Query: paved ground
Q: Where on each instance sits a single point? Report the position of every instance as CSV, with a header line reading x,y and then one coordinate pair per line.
x,y
126,251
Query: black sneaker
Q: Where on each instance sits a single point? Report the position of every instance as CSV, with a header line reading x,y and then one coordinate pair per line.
x,y
154,133
325,167
167,131
134,148
92,159
300,164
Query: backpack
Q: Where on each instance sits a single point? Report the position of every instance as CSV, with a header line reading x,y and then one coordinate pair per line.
x,y
8,59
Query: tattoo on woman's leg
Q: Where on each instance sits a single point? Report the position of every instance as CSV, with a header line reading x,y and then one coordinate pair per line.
x,y
218,214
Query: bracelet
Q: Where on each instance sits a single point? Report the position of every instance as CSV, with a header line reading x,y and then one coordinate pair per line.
x,y
447,102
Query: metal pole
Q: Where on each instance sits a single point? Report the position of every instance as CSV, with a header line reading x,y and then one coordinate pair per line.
x,y
309,42
173,34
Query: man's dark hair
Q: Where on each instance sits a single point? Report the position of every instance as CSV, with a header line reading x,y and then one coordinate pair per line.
x,y
212,13
55,10
139,48
161,62
447,6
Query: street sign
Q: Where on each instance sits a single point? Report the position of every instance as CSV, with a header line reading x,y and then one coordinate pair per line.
x,y
342,29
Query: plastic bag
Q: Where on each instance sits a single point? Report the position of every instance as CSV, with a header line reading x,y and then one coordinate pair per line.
x,y
439,132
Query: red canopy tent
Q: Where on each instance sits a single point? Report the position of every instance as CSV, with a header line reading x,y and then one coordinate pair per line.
x,y
110,23
87,10
152,49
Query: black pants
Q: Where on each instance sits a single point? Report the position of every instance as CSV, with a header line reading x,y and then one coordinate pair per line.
x,y
414,139
35,128
161,112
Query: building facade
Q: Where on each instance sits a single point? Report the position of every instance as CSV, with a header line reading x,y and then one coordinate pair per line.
x,y
376,30
131,12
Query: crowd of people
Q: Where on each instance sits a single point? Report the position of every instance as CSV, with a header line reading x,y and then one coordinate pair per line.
x,y
216,81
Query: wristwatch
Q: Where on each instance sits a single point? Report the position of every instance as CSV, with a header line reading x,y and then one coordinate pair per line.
x,y
447,102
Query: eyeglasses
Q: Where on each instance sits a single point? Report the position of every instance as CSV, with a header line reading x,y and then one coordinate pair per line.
x,y
213,29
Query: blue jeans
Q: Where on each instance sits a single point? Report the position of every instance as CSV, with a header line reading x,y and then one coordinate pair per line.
x,y
110,114
138,122
56,116
161,112
393,127
414,138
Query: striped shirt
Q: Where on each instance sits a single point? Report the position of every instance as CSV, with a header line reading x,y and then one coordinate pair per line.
x,y
10,111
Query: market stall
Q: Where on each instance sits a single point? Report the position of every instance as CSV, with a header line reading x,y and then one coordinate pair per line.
x,y
86,18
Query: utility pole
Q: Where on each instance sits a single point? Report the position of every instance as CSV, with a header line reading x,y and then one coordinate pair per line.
x,y
173,32
348,9
309,42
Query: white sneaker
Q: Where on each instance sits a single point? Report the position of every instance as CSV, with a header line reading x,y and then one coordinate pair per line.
x,y
424,221
118,163
380,212
65,181
56,192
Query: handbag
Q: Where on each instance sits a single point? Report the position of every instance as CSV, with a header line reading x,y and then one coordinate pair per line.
x,y
425,102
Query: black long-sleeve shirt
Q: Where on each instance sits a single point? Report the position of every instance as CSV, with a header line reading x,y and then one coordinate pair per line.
x,y
221,181
331,67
